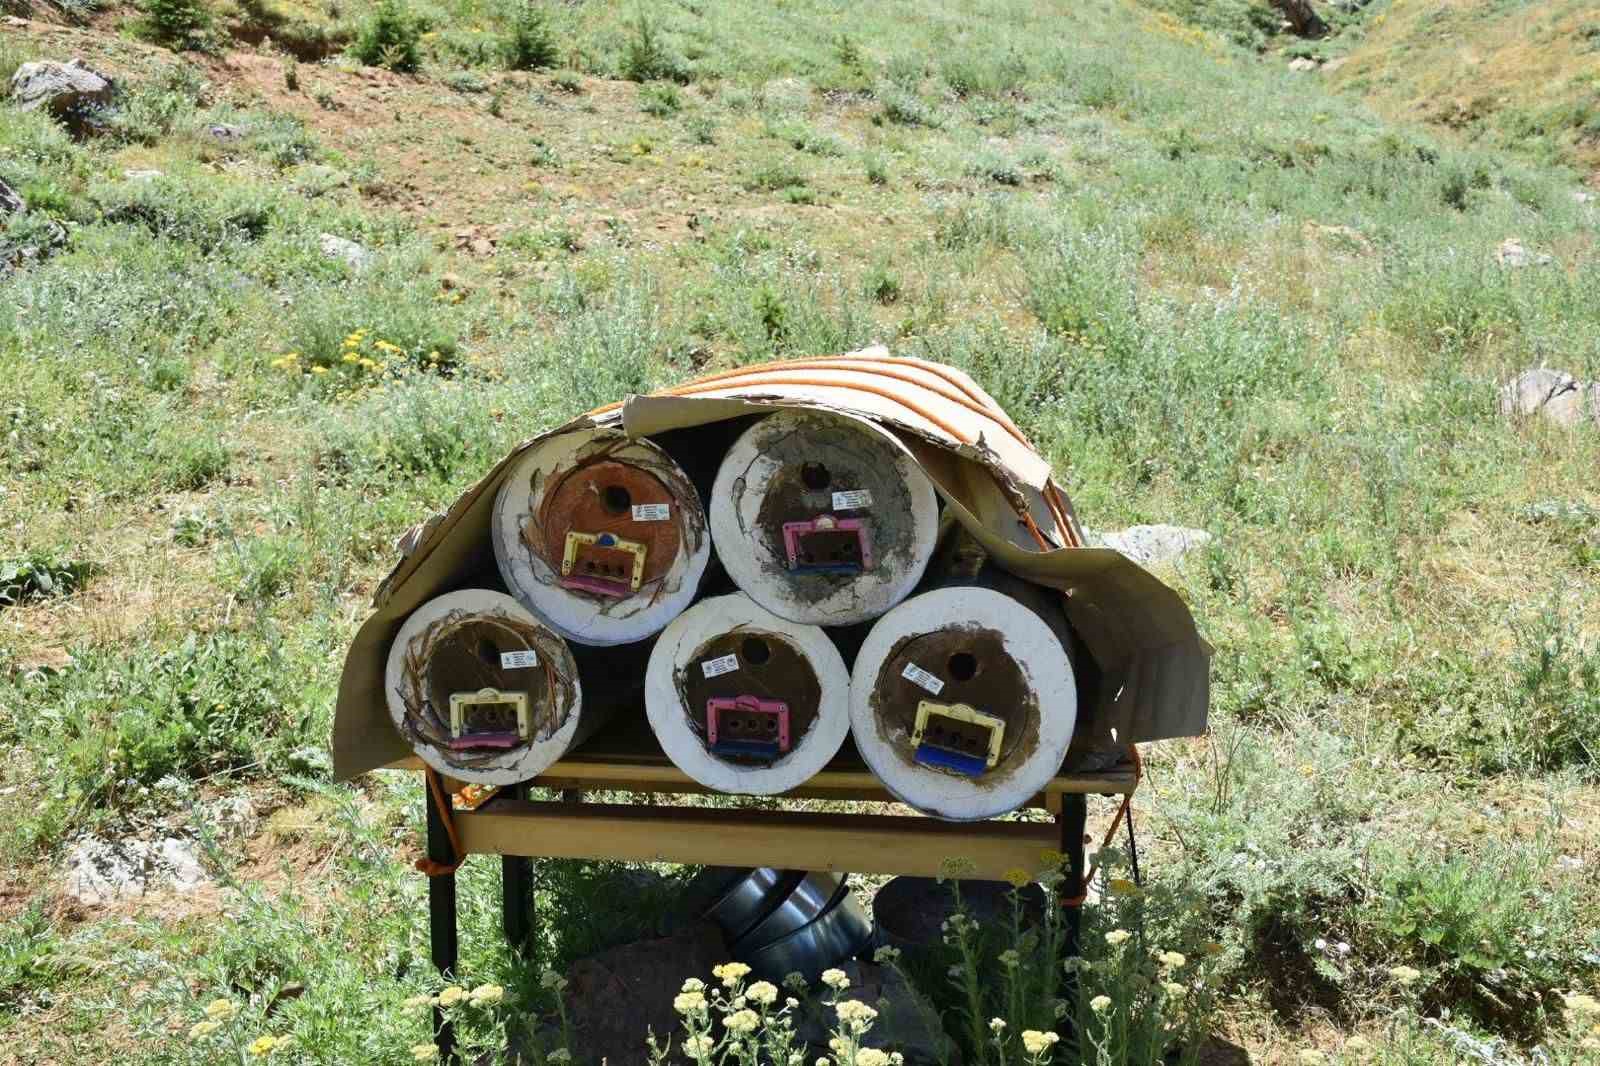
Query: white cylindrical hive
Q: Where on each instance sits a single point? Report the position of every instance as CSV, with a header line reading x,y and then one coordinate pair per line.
x,y
601,535
963,702
744,701
822,518
482,690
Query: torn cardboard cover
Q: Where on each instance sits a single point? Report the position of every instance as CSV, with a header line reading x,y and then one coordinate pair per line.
x,y
1156,676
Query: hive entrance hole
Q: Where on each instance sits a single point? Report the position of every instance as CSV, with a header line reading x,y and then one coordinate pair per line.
x,y
755,651
815,476
616,499
963,666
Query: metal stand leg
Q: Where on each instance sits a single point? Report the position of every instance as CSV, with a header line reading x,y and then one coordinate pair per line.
x,y
1071,821
441,922
516,896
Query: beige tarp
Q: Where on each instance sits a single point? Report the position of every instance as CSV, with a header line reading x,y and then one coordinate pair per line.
x,y
1156,666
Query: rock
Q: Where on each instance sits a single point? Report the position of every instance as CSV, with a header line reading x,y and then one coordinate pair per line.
x,y
12,20
1334,64
353,253
70,91
615,998
481,246
907,1022
11,201
1302,64
1583,197
234,817
141,175
225,133
1511,253
452,283
1147,545
106,871
1553,393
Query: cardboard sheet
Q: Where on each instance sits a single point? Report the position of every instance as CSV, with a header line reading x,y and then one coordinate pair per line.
x,y
1156,666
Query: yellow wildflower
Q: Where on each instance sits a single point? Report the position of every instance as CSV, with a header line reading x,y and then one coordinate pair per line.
x,y
452,995
424,1052
418,1001
1035,1042
1019,877
742,1022
200,1030
1121,886
221,1009
351,357
689,1002
1100,1004
836,980
487,994
1405,974
1171,960
730,973
764,993
1117,936
319,370
262,1046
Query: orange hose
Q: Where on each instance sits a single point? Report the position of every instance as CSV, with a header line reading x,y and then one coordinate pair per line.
x,y
436,791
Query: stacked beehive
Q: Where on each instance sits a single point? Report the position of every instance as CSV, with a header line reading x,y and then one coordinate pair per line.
x,y
771,562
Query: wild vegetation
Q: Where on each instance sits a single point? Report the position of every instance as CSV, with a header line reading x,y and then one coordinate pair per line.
x,y
1214,292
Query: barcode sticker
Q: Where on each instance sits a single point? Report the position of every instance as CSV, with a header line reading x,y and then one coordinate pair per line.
x,y
652,512
721,665
854,500
518,660
922,679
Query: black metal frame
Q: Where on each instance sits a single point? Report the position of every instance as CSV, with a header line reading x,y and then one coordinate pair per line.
x,y
517,899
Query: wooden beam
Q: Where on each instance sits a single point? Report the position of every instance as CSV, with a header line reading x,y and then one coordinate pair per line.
x,y
859,843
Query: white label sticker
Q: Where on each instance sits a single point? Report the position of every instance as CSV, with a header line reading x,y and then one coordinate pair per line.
x,y
719,666
652,512
922,679
518,660
854,500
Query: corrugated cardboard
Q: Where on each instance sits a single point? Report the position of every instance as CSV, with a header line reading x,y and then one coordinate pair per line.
x,y
1156,666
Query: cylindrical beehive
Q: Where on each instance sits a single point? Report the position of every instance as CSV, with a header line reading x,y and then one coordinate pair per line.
x,y
744,701
482,690
963,702
600,535
822,518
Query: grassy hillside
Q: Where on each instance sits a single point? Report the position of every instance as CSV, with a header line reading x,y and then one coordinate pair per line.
x,y
1520,76
1212,291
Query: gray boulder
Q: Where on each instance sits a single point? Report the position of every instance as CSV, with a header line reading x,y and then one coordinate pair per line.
x,y
907,1021
107,871
11,201
1512,253
1552,394
1147,545
352,252
615,999
70,91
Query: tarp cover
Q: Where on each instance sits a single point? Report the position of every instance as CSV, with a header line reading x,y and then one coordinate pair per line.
x,y
1156,681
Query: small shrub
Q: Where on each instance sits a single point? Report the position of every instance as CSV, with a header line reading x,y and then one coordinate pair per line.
x,y
882,283
702,129
264,568
531,44
390,38
905,108
37,576
465,81
189,461
177,24
660,99
645,56
567,81
877,169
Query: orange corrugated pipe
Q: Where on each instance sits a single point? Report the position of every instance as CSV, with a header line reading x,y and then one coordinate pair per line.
x,y
749,376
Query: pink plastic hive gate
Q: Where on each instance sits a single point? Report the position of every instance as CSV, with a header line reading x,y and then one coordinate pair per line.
x,y
828,545
747,726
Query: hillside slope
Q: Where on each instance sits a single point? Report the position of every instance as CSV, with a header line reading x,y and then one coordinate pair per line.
x,y
1214,292
1524,76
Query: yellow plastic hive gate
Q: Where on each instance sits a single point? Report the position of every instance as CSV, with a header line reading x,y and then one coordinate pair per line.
x,y
966,740
488,718
602,545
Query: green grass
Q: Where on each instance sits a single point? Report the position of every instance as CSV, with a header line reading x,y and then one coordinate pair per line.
x,y
1063,200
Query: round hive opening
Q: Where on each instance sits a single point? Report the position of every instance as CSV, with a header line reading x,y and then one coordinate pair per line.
x,y
963,666
616,499
755,651
815,476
